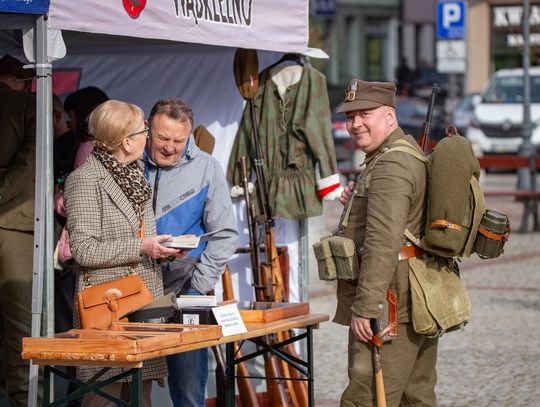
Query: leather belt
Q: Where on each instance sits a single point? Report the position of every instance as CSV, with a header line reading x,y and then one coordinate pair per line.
x,y
406,252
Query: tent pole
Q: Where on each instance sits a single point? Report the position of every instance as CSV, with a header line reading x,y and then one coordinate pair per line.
x,y
42,288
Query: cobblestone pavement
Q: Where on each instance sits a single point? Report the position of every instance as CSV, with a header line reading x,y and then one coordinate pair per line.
x,y
494,361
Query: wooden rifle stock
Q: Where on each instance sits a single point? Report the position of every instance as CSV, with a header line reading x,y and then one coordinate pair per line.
x,y
377,367
426,126
297,388
245,69
248,396
274,387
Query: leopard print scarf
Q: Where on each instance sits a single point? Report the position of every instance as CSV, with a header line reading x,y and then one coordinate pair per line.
x,y
129,177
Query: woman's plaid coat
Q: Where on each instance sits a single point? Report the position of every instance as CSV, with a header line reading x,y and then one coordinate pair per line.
x,y
103,231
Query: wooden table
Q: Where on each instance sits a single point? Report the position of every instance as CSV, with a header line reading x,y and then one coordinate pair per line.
x,y
59,351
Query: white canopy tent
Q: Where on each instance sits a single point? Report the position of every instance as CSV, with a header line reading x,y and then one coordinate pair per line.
x,y
186,49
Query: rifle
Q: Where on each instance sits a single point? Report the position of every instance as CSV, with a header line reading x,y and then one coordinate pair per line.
x,y
267,276
426,126
262,282
248,396
377,366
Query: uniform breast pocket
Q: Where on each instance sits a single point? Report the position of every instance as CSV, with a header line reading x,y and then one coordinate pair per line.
x,y
357,217
360,190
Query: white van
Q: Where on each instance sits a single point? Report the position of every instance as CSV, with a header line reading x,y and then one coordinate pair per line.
x,y
498,114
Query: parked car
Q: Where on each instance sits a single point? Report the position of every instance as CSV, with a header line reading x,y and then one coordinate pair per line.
x,y
424,77
342,141
464,112
497,126
411,114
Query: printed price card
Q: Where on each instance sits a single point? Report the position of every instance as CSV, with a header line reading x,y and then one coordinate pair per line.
x,y
228,317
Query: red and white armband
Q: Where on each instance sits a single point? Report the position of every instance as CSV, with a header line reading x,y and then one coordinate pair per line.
x,y
329,187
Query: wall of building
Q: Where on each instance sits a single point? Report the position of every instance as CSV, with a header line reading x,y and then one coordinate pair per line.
x,y
494,38
363,41
478,47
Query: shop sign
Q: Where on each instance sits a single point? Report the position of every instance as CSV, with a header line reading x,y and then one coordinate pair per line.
x,y
511,16
509,19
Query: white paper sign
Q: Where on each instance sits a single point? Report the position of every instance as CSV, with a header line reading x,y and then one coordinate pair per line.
x,y
228,317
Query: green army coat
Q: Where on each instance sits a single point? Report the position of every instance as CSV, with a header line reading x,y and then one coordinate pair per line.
x,y
17,159
390,195
295,136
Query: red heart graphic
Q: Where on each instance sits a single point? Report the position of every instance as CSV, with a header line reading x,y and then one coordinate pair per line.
x,y
134,7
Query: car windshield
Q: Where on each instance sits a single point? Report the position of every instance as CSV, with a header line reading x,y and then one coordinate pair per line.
x,y
466,103
509,89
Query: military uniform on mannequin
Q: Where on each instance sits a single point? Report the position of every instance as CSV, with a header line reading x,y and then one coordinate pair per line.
x,y
17,191
389,196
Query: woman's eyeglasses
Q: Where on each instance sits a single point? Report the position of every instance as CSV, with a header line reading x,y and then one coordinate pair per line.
x,y
145,131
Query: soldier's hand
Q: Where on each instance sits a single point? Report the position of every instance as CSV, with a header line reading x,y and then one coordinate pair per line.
x,y
361,328
347,192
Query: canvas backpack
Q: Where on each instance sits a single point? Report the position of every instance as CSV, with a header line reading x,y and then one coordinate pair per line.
x,y
457,225
457,221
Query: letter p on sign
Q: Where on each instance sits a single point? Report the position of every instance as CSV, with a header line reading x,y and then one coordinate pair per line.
x,y
451,15
450,19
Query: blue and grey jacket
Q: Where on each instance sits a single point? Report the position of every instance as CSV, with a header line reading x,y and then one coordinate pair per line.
x,y
192,197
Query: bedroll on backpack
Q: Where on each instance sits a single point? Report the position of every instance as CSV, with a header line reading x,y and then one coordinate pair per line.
x,y
456,209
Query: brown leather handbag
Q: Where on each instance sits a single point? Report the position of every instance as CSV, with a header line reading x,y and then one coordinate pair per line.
x,y
101,305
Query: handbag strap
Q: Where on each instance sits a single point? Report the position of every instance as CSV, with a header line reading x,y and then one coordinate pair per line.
x,y
86,277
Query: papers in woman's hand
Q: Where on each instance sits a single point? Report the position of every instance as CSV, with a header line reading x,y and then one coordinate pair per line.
x,y
192,241
182,242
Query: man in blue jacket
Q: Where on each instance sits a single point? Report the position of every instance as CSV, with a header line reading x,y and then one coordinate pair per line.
x,y
190,196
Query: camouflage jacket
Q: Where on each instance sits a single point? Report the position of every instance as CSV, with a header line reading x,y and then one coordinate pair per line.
x,y
295,135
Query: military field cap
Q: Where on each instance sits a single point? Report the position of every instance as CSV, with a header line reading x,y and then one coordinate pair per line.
x,y
362,95
12,66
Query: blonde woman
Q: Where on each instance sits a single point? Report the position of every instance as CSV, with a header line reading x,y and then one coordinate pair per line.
x,y
107,202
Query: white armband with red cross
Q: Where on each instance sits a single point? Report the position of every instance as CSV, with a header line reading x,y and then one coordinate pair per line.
x,y
329,186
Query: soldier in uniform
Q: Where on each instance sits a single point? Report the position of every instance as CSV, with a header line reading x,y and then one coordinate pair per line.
x,y
389,196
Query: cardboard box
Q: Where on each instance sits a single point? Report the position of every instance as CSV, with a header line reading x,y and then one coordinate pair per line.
x,y
195,316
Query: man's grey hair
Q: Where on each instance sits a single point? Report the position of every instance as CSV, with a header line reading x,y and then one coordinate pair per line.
x,y
173,108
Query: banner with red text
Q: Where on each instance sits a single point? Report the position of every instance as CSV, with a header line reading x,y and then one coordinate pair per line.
x,y
274,25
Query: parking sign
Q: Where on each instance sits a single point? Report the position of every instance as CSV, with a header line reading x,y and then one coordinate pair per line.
x,y
451,20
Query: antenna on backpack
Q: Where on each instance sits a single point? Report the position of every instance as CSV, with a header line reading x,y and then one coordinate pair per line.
x,y
426,126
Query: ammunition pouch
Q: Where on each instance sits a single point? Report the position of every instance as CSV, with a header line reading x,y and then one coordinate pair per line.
x,y
493,233
439,300
336,258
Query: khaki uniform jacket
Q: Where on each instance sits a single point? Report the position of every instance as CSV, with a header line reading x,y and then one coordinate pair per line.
x,y
17,159
390,195
103,231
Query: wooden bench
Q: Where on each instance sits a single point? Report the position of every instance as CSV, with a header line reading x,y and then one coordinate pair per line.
x,y
528,197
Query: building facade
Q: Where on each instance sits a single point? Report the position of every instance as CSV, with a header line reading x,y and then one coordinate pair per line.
x,y
495,40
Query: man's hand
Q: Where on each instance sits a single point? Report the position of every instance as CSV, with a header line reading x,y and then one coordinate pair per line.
x,y
347,192
361,328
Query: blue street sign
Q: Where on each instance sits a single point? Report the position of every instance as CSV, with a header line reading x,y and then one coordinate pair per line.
x,y
450,20
324,8
26,6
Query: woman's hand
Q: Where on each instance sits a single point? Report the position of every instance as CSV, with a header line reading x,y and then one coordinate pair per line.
x,y
347,192
152,248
